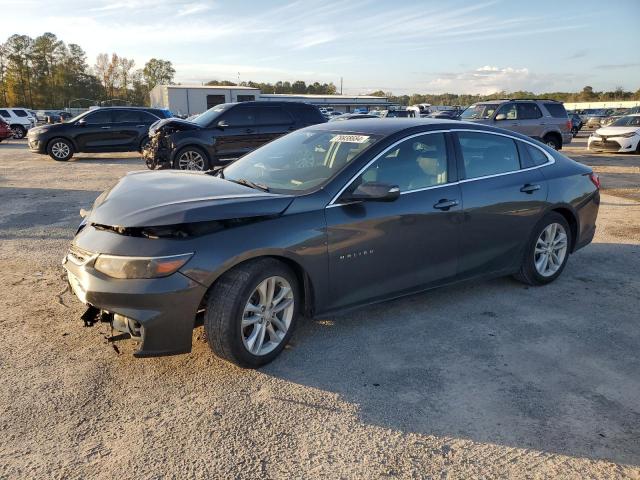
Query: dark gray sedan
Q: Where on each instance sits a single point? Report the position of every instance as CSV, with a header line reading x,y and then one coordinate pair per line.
x,y
327,217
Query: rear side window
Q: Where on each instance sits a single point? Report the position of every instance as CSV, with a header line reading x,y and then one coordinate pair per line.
x,y
5,113
556,110
418,162
536,155
528,111
240,117
20,113
487,154
146,117
274,116
307,114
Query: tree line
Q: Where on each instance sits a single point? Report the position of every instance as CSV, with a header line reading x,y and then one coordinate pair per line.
x,y
298,86
44,72
588,94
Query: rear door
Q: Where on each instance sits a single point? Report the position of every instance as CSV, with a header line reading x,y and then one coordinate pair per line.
x,y
239,133
503,198
273,122
95,133
130,127
530,118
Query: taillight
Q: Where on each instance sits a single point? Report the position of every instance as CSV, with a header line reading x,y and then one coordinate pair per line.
x,y
595,179
569,125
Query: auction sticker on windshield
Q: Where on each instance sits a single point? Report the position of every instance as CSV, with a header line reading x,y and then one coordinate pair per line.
x,y
350,138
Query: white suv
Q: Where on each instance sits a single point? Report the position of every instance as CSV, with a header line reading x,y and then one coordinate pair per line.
x,y
19,120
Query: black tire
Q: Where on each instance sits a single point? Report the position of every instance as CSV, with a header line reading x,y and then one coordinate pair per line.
x,y
56,149
143,144
574,131
206,164
18,131
528,273
552,141
225,305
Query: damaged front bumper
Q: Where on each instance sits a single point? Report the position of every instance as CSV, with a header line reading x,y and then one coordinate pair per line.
x,y
160,312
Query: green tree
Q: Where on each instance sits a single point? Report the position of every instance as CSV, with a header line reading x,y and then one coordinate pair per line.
x,y
158,72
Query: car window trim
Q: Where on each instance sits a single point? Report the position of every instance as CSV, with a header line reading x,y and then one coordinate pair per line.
x,y
551,161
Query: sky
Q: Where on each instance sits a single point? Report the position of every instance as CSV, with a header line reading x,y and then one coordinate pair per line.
x,y
399,46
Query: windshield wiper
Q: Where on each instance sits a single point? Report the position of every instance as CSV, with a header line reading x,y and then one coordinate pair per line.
x,y
249,183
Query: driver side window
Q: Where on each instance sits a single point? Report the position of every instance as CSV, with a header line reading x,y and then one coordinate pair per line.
x,y
240,117
416,163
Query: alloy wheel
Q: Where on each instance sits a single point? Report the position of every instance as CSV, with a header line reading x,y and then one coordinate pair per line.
x,y
191,160
551,250
267,315
18,132
60,150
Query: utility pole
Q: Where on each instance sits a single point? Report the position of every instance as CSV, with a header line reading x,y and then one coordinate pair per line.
x,y
340,85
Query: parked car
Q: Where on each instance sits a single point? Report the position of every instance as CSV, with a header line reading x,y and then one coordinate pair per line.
x,y
576,123
19,120
352,116
446,114
107,129
596,118
544,120
623,135
54,116
329,217
224,133
5,131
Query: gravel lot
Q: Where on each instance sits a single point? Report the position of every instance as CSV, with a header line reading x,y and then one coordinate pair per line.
x,y
482,380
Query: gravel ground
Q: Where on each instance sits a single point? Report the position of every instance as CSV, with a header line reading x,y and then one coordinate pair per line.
x,y
482,380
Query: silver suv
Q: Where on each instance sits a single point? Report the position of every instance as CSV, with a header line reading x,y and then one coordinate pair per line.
x,y
544,120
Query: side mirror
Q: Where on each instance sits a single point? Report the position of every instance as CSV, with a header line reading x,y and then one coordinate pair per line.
x,y
374,192
82,122
500,116
222,124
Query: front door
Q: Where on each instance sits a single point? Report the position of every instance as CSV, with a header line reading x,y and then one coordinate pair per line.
x,y
129,128
378,249
239,132
502,203
95,132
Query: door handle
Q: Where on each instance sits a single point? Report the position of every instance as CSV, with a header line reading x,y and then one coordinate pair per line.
x,y
249,130
105,128
140,125
529,188
445,204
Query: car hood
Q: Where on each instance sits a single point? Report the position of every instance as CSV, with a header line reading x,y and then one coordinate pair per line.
x,y
144,199
613,131
173,123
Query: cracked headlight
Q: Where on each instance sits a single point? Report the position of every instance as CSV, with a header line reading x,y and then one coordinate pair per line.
x,y
140,267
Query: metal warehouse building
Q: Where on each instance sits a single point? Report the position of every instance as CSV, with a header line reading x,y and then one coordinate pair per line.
x,y
189,100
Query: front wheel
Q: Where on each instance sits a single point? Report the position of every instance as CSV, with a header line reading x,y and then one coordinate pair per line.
x,y
251,312
191,158
60,149
547,252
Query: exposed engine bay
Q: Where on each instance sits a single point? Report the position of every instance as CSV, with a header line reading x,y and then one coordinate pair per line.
x,y
157,153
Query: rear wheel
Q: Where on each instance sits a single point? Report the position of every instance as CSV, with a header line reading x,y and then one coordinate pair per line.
x,y
18,131
552,141
60,149
251,312
191,158
547,252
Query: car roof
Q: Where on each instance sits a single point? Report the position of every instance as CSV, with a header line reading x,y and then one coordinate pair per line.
x,y
387,126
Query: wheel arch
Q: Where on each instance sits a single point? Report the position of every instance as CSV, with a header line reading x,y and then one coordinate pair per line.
x,y
572,219
554,134
308,289
62,137
190,144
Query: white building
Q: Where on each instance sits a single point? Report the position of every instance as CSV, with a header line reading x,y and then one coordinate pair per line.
x,y
189,100
599,105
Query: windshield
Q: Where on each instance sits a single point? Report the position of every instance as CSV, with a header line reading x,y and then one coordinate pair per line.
x,y
205,119
629,121
481,111
300,161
